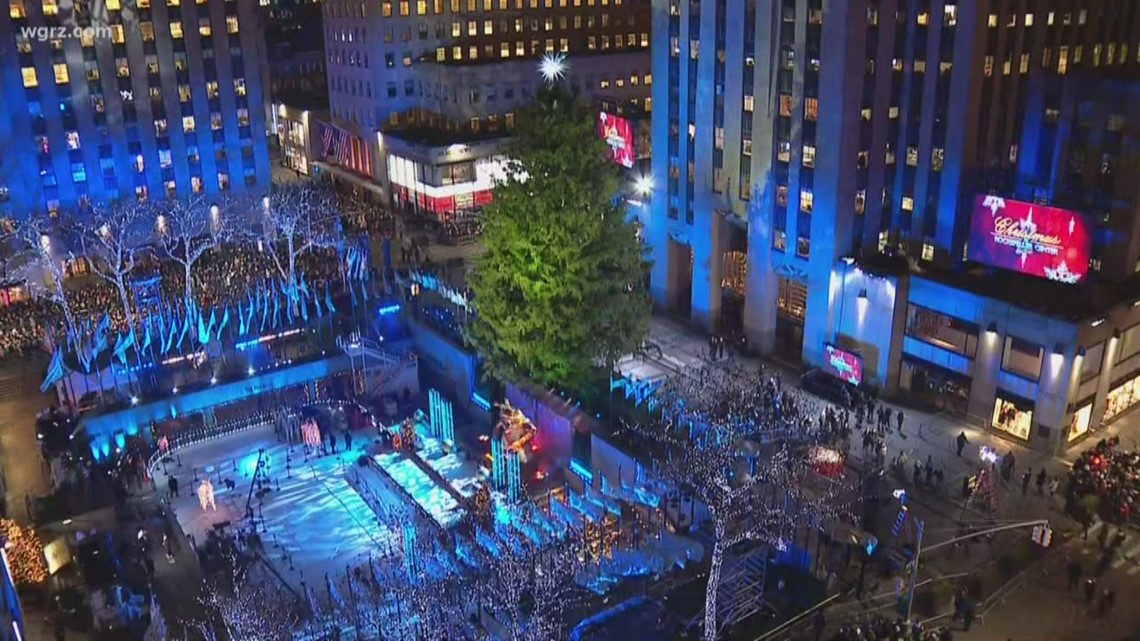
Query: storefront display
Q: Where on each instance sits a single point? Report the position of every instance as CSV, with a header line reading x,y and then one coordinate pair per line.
x,y
1122,397
1013,416
1079,426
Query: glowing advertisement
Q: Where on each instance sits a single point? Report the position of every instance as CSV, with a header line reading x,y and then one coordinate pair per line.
x,y
618,134
841,364
1046,242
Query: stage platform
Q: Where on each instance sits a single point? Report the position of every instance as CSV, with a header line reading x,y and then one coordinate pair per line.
x,y
316,523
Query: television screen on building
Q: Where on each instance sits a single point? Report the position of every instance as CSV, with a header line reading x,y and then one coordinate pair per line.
x,y
842,364
618,134
1046,242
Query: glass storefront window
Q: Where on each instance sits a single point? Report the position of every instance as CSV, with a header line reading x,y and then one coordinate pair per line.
x,y
1079,426
1013,417
1122,397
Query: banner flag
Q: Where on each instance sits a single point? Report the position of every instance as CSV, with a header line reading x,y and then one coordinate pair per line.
x,y
55,372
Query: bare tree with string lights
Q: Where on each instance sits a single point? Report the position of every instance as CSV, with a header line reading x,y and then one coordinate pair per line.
x,y
529,590
34,238
112,238
296,219
243,607
719,438
187,229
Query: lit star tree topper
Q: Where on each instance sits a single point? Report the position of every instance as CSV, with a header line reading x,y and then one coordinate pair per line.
x,y
553,67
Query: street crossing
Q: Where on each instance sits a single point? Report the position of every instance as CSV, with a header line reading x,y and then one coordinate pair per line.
x,y
1127,557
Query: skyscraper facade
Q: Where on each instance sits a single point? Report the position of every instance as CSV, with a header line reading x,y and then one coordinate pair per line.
x,y
797,140
129,99
421,86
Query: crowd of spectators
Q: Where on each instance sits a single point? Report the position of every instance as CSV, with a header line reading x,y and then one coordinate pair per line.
x,y
1109,473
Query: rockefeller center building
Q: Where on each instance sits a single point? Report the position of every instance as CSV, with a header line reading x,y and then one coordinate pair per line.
x,y
115,99
936,199
424,92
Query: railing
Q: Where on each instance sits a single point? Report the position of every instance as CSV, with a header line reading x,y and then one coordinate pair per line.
x,y
203,434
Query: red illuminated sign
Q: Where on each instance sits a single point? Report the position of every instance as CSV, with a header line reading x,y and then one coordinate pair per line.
x,y
1041,241
618,134
842,364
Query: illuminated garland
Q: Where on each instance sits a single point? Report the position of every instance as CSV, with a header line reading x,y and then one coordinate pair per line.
x,y
719,436
25,554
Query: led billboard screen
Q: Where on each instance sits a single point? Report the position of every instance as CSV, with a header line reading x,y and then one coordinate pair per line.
x,y
842,364
618,134
1041,241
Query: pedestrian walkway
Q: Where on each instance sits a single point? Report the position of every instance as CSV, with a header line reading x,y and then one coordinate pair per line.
x,y
1126,559
923,435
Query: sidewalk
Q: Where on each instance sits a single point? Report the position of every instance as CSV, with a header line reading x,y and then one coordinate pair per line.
x,y
926,434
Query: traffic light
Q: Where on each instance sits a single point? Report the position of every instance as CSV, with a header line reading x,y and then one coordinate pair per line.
x,y
1042,535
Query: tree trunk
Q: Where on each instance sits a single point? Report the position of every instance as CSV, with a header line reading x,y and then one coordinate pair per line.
x,y
188,294
57,280
712,590
126,302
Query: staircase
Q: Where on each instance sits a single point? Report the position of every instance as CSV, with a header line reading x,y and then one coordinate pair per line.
x,y
374,366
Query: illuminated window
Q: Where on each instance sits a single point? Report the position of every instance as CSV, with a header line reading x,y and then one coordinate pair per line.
x,y
176,29
243,117
212,89
988,66
223,181
16,9
51,8
950,15
893,112
421,7
73,140
907,203
749,103
472,28
923,19
806,200
405,8
232,24
1029,19
457,53
29,76
60,69
204,28
117,34
808,155
920,66
937,157
504,50
488,27
860,201
1023,64
912,156
184,96
993,21
239,86
811,109
386,9
440,54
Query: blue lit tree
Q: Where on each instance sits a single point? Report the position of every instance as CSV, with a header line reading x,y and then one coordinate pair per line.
x,y
112,238
187,229
34,239
297,218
